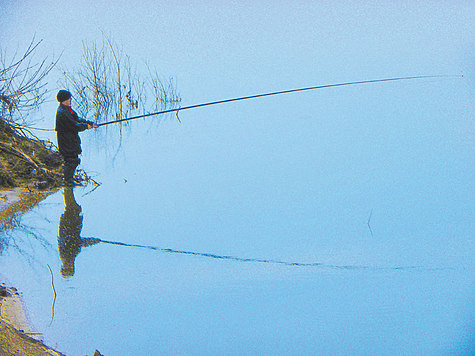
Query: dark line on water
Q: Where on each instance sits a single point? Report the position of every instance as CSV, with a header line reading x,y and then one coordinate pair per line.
x,y
270,261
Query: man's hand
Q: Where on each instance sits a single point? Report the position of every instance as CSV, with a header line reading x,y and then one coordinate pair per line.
x,y
93,126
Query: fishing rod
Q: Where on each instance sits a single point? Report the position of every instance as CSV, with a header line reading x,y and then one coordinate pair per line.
x,y
274,93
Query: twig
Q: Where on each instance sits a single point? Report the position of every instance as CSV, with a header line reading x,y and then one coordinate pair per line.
x,y
369,226
82,177
21,154
93,189
54,296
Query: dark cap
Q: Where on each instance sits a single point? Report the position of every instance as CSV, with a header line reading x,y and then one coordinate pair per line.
x,y
63,95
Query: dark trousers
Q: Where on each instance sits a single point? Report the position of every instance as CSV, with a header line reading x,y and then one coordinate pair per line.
x,y
70,164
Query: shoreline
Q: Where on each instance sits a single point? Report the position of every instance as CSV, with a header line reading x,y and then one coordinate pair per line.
x,y
16,201
17,337
16,334
10,196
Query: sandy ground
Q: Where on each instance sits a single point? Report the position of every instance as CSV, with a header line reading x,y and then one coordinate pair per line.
x,y
9,197
12,311
16,335
18,201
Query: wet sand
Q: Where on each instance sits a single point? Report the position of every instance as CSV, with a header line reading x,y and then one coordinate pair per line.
x,y
18,201
9,197
16,334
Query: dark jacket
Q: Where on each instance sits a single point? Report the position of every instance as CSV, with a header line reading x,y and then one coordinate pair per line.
x,y
67,127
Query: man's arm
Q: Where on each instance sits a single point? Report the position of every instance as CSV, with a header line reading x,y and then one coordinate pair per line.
x,y
90,124
68,122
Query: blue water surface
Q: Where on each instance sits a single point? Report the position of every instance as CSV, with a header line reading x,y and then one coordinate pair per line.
x,y
331,222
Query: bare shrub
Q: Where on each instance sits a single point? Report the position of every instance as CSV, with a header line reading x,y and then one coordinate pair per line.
x,y
107,86
22,83
24,158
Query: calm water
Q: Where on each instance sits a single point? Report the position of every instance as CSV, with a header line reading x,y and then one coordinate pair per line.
x,y
333,222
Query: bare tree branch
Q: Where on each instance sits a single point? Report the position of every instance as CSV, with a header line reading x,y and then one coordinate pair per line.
x,y
22,83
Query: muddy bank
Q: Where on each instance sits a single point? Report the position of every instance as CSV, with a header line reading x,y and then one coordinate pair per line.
x,y
26,160
14,342
16,336
15,202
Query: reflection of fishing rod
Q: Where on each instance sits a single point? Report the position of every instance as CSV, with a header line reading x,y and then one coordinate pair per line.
x,y
204,254
274,93
256,260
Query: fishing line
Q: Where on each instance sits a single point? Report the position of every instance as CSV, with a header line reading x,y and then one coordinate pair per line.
x,y
277,93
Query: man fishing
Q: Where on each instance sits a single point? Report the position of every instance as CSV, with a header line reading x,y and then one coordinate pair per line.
x,y
67,127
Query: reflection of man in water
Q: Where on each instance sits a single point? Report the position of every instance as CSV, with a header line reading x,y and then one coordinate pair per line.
x,y
69,240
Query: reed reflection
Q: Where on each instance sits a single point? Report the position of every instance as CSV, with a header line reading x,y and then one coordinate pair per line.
x,y
70,241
